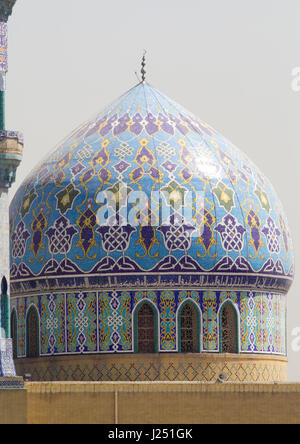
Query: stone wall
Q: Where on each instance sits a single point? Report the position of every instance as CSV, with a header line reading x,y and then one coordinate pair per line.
x,y
151,403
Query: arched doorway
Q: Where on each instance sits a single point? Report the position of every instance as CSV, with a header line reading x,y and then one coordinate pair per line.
x,y
32,333
145,326
189,329
229,329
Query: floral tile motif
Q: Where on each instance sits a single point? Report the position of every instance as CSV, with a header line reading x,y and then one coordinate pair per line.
x,y
148,143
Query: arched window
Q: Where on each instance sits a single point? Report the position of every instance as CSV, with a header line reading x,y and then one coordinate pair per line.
x,y
14,333
146,329
4,286
32,327
229,329
189,329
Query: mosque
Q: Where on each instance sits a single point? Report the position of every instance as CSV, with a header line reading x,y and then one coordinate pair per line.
x,y
185,282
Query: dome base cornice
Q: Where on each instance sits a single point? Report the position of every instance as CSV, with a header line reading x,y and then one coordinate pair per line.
x,y
143,281
206,368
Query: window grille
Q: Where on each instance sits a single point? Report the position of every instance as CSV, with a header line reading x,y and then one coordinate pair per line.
x,y
229,330
189,330
146,329
32,334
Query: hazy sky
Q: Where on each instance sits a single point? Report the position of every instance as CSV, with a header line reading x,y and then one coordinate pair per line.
x,y
230,62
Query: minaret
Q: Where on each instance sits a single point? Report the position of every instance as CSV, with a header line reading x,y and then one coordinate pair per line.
x,y
11,149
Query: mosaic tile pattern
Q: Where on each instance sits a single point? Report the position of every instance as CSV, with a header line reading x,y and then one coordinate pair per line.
x,y
7,367
149,143
6,7
3,46
102,322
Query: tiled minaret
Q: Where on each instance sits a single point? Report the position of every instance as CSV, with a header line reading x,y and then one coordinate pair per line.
x,y
11,149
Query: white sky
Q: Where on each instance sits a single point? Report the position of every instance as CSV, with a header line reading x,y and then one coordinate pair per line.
x,y
229,62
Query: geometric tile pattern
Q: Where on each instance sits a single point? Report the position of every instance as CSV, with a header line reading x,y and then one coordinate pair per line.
x,y
155,371
11,383
7,367
102,322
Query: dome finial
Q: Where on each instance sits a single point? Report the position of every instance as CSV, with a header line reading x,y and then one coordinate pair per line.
x,y
143,71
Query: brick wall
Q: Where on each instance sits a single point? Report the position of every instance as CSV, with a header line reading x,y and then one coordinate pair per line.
x,y
151,403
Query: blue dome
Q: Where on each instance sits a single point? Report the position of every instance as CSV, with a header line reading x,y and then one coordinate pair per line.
x,y
236,235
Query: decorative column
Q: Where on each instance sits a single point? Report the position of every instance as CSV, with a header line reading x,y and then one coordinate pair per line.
x,y
11,151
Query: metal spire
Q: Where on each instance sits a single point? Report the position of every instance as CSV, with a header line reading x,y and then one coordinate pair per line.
x,y
143,72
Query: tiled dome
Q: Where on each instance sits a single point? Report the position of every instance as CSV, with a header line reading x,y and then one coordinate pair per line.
x,y
237,235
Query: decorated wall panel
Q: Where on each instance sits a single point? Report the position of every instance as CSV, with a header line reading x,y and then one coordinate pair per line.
x,y
103,321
